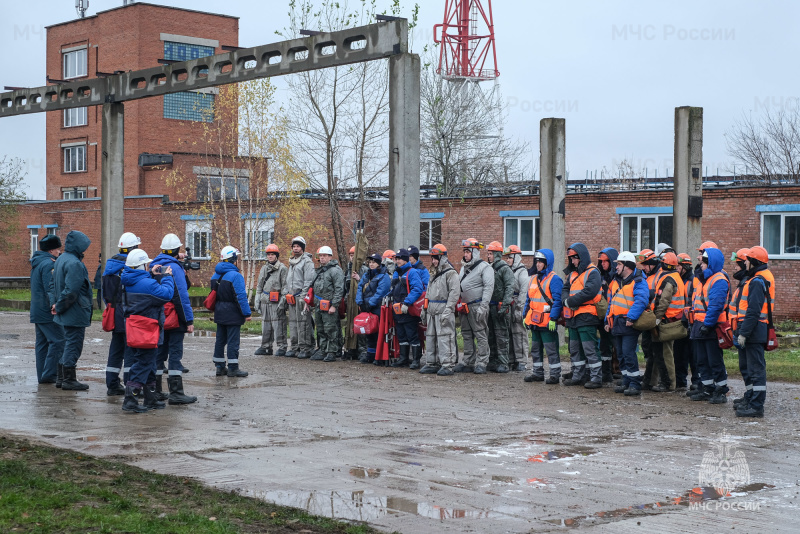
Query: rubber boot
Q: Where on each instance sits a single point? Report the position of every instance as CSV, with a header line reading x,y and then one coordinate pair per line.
x,y
151,401
160,388
130,404
261,351
70,382
403,361
607,375
416,355
235,372
59,376
176,394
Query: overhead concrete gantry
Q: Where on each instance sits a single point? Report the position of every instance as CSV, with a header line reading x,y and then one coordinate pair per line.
x,y
386,39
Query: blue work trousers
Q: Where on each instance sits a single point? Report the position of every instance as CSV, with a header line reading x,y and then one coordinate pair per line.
x,y
73,345
49,348
227,335
628,362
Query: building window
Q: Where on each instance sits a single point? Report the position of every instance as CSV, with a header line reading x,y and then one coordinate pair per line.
x,y
523,232
75,158
430,233
198,239
75,64
75,117
780,233
34,240
73,193
189,106
259,234
183,52
222,188
645,231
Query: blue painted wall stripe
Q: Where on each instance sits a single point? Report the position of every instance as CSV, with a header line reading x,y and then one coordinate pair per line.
x,y
434,215
645,210
519,213
260,216
196,217
777,207
34,226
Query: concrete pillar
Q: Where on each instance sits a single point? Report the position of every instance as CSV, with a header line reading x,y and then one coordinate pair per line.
x,y
404,105
553,188
112,189
687,196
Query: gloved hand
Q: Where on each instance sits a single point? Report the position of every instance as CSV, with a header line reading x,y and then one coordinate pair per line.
x,y
483,309
503,309
658,322
742,340
403,309
552,325
546,308
704,330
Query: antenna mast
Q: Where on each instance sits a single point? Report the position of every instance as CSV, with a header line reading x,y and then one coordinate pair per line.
x,y
81,6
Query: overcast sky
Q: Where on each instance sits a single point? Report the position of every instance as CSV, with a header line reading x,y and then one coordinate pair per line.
x,y
614,69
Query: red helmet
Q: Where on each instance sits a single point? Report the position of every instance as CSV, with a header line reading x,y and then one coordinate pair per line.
x,y
389,254
438,250
645,255
471,243
684,259
707,244
495,246
352,250
670,259
759,253
511,249
272,248
740,255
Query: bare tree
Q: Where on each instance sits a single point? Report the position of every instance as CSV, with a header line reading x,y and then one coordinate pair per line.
x,y
769,145
12,181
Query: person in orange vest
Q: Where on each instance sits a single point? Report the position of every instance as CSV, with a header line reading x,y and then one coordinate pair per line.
x,y
709,309
606,262
542,310
668,308
752,330
697,287
682,348
583,290
739,259
628,300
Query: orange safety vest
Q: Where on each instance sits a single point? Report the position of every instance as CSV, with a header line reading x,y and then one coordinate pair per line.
x,y
536,315
621,300
701,299
576,284
697,287
652,281
767,276
733,307
676,305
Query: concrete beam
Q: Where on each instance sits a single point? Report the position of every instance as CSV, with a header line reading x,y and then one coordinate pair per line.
x,y
404,141
553,188
112,192
687,196
365,43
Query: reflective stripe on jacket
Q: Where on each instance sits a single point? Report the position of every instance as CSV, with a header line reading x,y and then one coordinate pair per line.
x,y
538,301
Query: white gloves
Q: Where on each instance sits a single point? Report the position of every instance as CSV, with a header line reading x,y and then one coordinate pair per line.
x,y
741,340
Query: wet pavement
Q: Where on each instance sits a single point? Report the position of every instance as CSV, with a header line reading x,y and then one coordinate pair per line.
x,y
421,453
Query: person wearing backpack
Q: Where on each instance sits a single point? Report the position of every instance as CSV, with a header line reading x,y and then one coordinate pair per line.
x,y
181,322
146,290
230,312
753,323
49,335
542,311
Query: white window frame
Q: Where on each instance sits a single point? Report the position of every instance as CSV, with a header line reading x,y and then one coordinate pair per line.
x,y
73,193
34,240
536,224
251,243
76,150
198,227
424,248
639,218
77,60
75,117
782,215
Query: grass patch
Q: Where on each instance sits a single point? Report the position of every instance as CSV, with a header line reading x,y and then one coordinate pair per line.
x,y
15,294
44,489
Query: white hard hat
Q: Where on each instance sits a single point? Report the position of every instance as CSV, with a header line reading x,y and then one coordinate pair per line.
x,y
299,239
136,258
228,252
626,256
325,250
128,240
171,242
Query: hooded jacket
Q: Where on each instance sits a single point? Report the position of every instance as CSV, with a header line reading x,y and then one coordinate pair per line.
x,y
444,289
42,264
422,271
329,284
372,288
112,289
608,276
751,327
590,290
641,300
272,278
717,295
521,279
407,288
300,275
232,307
71,289
180,299
146,295
477,282
556,286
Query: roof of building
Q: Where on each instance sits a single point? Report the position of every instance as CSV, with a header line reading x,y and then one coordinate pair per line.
x,y
136,4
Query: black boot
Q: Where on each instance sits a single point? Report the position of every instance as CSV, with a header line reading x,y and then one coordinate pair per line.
x,y
115,390
151,401
416,355
235,372
59,376
176,394
607,376
403,361
70,382
130,404
160,388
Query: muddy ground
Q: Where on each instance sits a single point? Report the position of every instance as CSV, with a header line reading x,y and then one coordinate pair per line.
x,y
415,453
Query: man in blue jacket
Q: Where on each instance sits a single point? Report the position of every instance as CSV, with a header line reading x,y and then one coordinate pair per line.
x,y
406,290
146,292
542,310
119,353
71,295
230,312
49,335
181,307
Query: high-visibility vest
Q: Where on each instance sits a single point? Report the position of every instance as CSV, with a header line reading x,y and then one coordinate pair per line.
x,y
701,299
536,315
652,281
576,284
733,306
621,299
693,289
676,305
770,279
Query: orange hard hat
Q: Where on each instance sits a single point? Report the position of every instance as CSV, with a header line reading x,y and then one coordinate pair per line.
x,y
352,250
670,259
495,246
389,254
645,255
438,250
759,253
684,259
512,249
708,244
740,255
471,243
272,248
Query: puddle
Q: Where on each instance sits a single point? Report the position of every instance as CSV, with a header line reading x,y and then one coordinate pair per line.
x,y
364,472
551,456
520,481
691,497
87,438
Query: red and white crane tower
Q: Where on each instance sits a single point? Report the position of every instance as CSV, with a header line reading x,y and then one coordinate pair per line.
x,y
467,51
